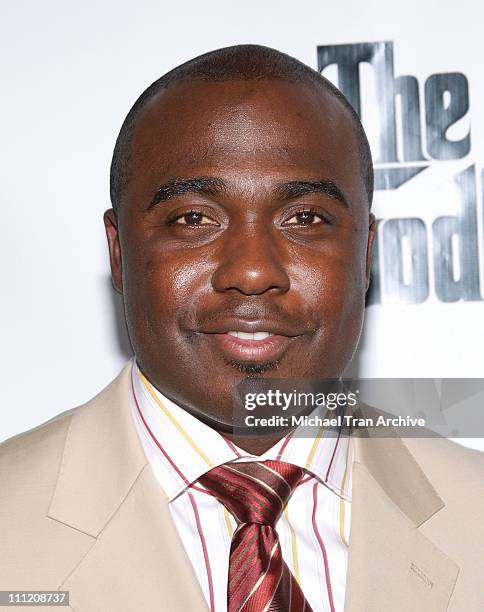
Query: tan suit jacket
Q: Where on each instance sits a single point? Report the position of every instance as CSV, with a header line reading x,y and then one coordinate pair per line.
x,y
81,511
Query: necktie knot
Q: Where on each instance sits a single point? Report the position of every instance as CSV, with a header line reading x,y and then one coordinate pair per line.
x,y
254,492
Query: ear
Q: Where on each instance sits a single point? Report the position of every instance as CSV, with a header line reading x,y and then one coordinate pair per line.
x,y
111,225
369,247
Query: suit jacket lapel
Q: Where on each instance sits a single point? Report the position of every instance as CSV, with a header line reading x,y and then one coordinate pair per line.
x,y
107,490
138,561
392,566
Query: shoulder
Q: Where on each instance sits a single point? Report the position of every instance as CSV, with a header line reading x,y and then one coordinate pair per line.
x,y
38,550
29,465
457,475
448,463
33,456
455,472
30,461
36,453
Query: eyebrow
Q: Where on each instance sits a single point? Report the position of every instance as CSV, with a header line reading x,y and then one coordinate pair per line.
x,y
297,189
203,185
210,186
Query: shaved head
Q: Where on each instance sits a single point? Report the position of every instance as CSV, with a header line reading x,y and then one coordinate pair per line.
x,y
237,63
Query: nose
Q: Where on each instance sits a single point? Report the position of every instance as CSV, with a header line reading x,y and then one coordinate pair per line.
x,y
251,263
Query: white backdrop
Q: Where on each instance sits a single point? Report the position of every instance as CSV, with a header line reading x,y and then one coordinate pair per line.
x,y
70,72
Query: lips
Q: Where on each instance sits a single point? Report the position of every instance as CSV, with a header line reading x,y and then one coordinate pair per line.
x,y
240,327
259,348
255,341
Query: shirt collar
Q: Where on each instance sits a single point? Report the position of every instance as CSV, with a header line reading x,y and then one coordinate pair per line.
x,y
180,448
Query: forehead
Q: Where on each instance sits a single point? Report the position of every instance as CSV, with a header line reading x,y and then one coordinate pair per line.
x,y
244,130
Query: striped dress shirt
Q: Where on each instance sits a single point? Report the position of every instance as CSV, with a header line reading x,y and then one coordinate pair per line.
x,y
313,529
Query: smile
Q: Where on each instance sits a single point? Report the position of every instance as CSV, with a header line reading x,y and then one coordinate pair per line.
x,y
256,347
261,335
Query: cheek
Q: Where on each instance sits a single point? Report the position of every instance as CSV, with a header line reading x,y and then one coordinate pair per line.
x,y
162,286
331,284
329,278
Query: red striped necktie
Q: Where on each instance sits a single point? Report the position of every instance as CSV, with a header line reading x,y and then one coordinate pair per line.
x,y
256,494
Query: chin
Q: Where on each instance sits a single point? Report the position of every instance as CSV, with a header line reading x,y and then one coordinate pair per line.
x,y
253,369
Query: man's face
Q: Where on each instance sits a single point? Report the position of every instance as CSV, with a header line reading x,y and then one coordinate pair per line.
x,y
245,213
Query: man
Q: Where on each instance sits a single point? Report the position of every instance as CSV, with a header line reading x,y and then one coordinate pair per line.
x,y
240,238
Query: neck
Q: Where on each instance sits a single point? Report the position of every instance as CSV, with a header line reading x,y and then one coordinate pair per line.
x,y
255,445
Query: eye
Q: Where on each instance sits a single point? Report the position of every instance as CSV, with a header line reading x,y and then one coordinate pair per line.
x,y
305,217
193,217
